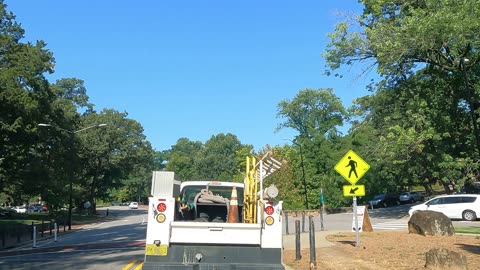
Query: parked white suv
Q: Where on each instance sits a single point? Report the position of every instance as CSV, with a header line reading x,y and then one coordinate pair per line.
x,y
460,206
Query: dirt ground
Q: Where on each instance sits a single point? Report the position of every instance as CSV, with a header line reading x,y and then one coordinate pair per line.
x,y
384,250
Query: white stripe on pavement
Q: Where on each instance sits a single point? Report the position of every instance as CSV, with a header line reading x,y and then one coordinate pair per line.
x,y
391,225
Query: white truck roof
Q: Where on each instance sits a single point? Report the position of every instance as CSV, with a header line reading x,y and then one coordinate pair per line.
x,y
210,183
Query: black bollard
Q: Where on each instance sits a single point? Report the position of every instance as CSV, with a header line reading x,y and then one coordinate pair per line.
x,y
286,222
303,221
313,256
107,212
298,255
322,228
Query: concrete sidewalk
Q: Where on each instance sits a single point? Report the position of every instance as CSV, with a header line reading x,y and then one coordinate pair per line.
x,y
289,241
320,240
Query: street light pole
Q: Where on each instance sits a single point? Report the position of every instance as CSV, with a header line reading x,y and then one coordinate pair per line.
x,y
72,142
304,183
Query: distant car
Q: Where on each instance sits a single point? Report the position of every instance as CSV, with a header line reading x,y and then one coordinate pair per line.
x,y
411,197
471,188
133,205
384,200
6,212
20,209
458,206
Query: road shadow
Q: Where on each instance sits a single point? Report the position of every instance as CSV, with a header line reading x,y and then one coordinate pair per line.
x,y
470,248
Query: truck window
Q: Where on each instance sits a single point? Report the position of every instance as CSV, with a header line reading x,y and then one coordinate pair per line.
x,y
189,192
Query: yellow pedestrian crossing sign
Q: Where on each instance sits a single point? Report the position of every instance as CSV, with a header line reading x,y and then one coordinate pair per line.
x,y
350,191
352,167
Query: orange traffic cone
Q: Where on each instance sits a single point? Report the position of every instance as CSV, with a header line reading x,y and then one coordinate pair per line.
x,y
233,210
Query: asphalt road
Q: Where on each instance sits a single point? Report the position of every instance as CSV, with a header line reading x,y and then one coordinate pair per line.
x,y
112,244
119,243
390,218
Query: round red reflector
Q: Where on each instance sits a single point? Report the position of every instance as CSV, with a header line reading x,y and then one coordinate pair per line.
x,y
269,210
161,207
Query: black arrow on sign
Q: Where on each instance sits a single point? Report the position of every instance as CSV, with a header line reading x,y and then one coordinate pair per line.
x,y
352,191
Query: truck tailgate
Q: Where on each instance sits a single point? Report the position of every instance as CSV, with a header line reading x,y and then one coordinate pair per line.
x,y
215,233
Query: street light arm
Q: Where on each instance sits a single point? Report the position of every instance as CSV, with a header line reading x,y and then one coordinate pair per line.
x,y
69,131
57,127
89,127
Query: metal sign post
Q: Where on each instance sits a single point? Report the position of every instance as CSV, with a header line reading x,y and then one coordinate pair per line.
x,y
357,231
352,167
322,208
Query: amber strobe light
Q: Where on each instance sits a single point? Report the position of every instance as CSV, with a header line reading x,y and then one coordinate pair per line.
x,y
160,218
269,220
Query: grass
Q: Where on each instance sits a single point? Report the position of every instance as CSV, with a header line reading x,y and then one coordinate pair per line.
x,y
472,230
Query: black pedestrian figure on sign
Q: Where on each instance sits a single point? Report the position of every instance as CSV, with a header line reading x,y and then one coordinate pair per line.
x,y
353,167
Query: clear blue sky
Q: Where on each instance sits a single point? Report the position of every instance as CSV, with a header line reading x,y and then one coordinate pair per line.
x,y
193,68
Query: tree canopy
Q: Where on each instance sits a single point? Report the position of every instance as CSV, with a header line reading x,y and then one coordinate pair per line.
x,y
418,127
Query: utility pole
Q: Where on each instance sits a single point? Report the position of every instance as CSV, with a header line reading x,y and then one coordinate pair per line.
x,y
303,176
304,182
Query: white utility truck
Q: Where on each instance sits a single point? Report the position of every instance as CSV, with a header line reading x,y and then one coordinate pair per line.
x,y
189,226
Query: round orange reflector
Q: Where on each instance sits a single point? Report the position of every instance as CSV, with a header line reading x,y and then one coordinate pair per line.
x,y
161,207
269,210
269,220
160,218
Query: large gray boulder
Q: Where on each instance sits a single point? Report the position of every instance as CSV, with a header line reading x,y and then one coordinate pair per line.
x,y
430,223
442,258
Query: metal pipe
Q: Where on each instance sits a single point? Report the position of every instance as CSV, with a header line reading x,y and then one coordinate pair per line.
x,y
34,236
55,232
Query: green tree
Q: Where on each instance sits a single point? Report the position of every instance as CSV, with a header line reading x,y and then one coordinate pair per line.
x,y
425,111
182,158
401,38
316,115
74,92
25,99
113,156
311,112
218,158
